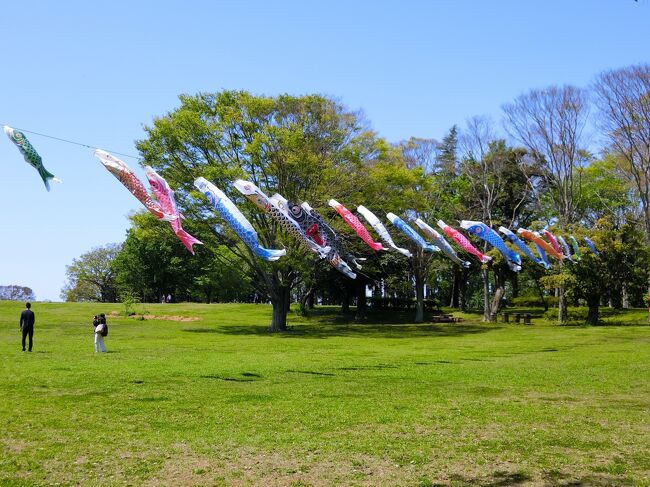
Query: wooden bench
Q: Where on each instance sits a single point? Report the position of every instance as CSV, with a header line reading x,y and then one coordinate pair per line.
x,y
445,319
505,316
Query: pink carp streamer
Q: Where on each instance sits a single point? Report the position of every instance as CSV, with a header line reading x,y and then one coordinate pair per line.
x,y
537,239
356,225
128,178
551,238
462,241
165,196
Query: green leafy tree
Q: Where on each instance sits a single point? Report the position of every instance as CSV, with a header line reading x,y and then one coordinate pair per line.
x,y
14,292
623,100
496,194
91,277
153,263
402,184
623,258
305,148
607,195
605,192
550,123
450,186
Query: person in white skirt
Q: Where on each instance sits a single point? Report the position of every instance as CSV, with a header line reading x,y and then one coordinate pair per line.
x,y
101,328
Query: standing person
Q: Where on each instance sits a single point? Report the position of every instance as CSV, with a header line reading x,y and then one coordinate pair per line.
x,y
95,322
27,320
101,330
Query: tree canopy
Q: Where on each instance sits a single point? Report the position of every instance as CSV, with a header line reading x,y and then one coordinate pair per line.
x,y
311,148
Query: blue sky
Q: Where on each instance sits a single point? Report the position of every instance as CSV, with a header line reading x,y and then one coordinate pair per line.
x,y
96,72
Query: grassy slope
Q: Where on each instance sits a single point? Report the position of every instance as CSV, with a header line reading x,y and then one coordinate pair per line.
x,y
219,401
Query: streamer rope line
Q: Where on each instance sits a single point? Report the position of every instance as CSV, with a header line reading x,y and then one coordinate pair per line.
x,y
73,142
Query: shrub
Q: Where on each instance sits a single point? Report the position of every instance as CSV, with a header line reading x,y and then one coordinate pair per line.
x,y
572,314
129,300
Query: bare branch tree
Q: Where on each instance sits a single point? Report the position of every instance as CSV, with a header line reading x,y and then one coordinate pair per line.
x,y
550,124
623,100
485,173
422,153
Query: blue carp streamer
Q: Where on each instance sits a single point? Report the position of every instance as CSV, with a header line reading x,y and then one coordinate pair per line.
x,y
381,230
482,231
591,246
521,245
237,221
410,233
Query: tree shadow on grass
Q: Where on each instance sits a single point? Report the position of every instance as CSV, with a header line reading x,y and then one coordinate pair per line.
x,y
333,315
355,330
329,322
503,479
497,479
203,330
591,480
602,324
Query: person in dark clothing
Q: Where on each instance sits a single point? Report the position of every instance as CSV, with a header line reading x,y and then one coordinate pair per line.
x,y
27,320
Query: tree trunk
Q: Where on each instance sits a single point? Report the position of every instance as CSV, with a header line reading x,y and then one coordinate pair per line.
x,y
561,305
625,297
541,294
455,289
280,302
486,294
345,305
462,290
499,291
592,314
495,305
305,300
361,298
419,298
515,285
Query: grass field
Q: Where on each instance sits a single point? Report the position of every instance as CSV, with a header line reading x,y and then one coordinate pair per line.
x,y
218,401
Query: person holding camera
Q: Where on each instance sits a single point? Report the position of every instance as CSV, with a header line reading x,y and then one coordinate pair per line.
x,y
101,330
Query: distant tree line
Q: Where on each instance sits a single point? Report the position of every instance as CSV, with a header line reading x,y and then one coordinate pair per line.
x,y
16,293
538,172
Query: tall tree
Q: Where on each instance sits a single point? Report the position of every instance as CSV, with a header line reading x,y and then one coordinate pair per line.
x,y
550,124
305,148
14,292
153,263
421,156
91,277
605,192
623,100
449,187
447,160
623,258
496,195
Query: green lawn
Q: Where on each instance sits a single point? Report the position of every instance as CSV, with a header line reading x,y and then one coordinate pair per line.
x,y
218,401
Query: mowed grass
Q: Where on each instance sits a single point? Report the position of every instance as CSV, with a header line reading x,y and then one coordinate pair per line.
x,y
219,401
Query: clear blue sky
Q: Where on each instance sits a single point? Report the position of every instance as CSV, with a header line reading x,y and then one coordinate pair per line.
x,y
96,72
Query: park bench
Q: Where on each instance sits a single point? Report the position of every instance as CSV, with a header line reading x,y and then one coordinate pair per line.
x,y
505,316
444,318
